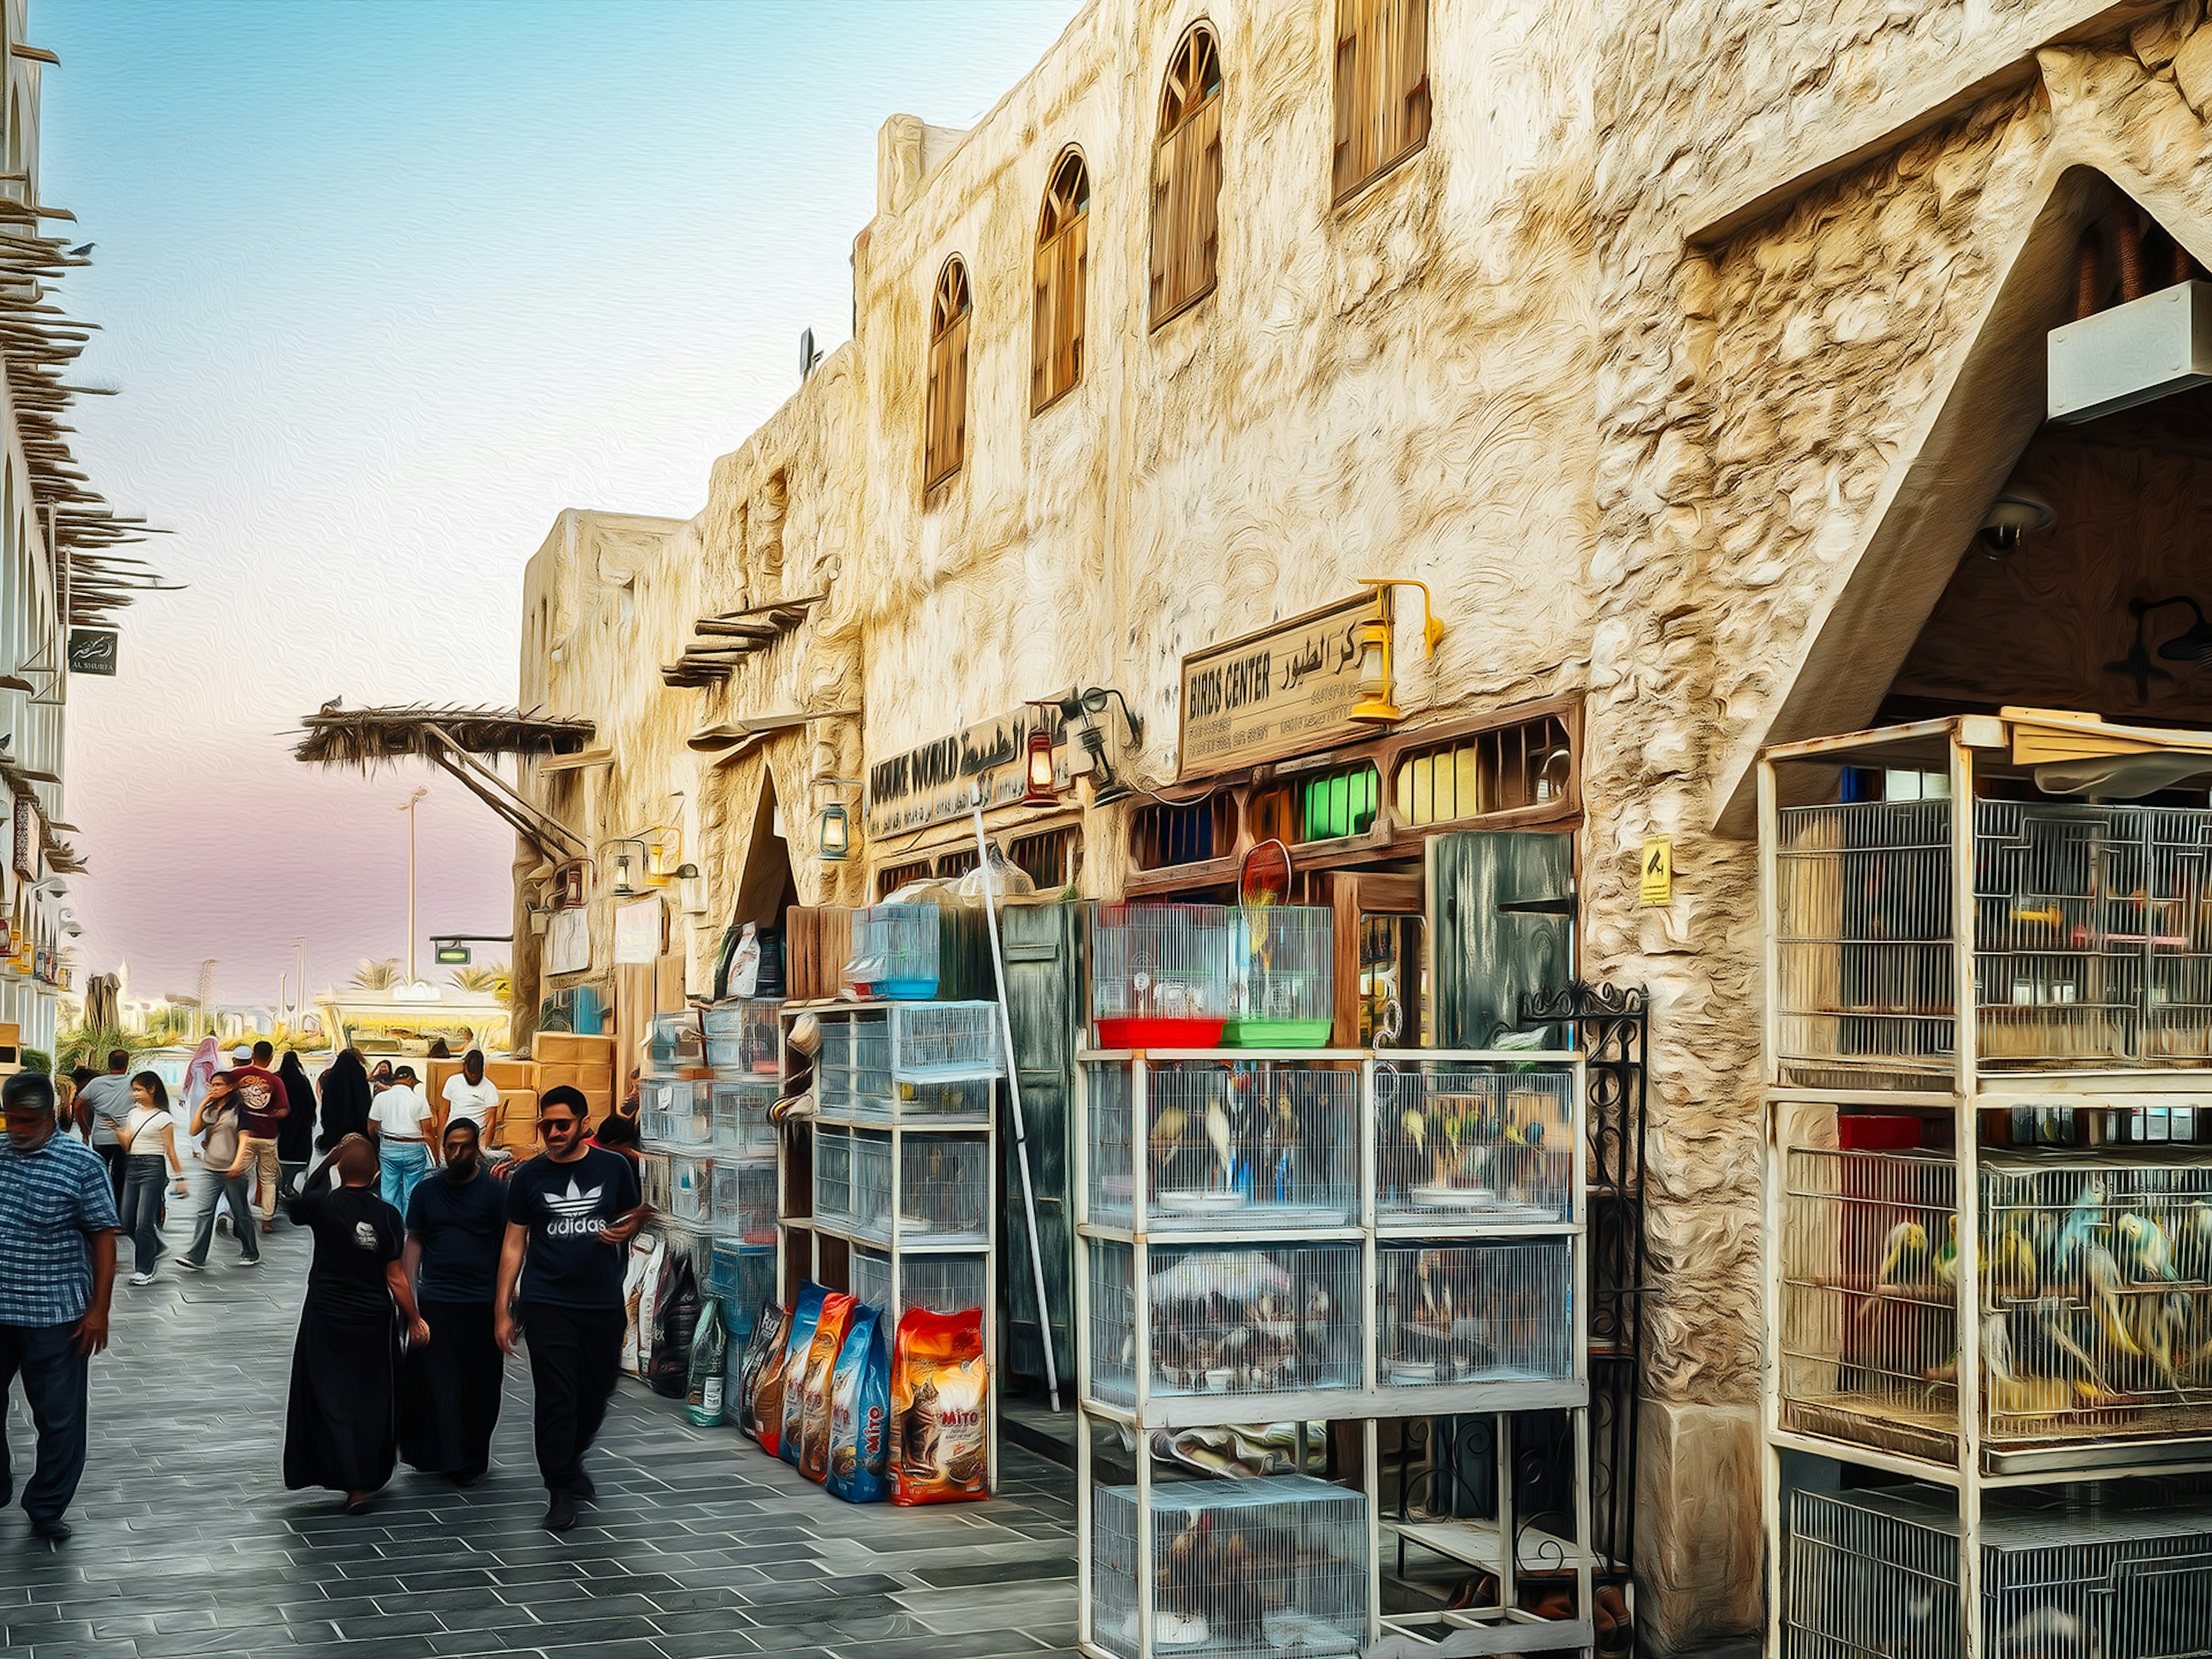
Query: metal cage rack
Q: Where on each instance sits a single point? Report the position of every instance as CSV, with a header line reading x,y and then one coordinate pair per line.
x,y
1301,1294
1986,1242
741,1037
882,1062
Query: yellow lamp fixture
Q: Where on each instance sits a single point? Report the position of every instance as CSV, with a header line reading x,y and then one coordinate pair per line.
x,y
664,852
1375,675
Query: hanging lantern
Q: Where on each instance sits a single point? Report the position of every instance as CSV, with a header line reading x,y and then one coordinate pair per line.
x,y
834,834
624,886
1040,787
1374,702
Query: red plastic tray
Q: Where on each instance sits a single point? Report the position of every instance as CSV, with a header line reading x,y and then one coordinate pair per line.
x,y
1160,1033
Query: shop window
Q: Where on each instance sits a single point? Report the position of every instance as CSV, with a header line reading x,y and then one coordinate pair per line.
x,y
1187,178
1381,87
944,413
1336,803
1052,860
1527,764
953,865
1062,260
890,880
1167,835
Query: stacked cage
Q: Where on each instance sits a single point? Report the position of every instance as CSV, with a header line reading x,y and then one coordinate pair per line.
x,y
742,1045
895,952
1159,974
1282,977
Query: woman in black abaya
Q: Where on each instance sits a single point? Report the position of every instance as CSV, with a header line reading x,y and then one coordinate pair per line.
x,y
341,1429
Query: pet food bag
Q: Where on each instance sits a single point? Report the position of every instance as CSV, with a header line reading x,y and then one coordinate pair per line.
x,y
676,1320
940,1406
813,1459
810,1298
860,1414
702,1397
762,1414
640,1280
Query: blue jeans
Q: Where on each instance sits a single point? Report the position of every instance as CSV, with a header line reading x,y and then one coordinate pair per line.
x,y
54,1376
238,1189
404,1163
145,1178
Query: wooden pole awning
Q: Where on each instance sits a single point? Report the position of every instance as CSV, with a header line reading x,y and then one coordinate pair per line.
x,y
721,642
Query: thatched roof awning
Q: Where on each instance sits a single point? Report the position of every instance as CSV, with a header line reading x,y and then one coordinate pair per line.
x,y
366,737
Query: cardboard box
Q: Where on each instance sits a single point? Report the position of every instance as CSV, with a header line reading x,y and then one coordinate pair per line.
x,y
597,1106
592,1079
434,1088
569,1049
506,1075
520,1138
518,1105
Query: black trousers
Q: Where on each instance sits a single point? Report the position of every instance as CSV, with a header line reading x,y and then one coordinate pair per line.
x,y
576,1354
55,1373
117,1156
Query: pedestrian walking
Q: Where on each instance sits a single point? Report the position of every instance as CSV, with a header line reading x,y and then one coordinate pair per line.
x,y
295,1136
220,1120
571,1213
102,1103
262,1097
619,1134
56,1273
399,1121
449,1404
346,1099
341,1425
149,1138
470,1094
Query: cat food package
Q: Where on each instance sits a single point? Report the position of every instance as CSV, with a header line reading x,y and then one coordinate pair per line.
x,y
940,1406
641,1282
676,1321
810,1298
770,1332
764,1402
813,1459
860,1414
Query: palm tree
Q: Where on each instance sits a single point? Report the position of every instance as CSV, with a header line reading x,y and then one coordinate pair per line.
x,y
491,978
374,975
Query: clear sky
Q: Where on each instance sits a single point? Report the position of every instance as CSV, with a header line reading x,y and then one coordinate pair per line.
x,y
385,287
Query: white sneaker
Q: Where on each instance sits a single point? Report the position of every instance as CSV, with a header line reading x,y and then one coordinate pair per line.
x,y
141,1279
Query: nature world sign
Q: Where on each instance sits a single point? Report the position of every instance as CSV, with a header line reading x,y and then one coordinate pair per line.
x,y
1285,690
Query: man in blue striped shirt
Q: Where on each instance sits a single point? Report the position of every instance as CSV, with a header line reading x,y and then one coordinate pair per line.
x,y
56,1272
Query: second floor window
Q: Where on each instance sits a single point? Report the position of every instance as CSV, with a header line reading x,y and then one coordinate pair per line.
x,y
945,414
1187,178
1382,89
1062,260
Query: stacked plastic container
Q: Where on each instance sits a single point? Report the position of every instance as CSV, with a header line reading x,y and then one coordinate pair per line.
x,y
741,1047
676,1132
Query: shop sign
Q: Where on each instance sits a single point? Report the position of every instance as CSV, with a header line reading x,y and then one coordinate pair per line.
x,y
1657,884
568,942
1285,691
92,651
638,931
937,782
27,838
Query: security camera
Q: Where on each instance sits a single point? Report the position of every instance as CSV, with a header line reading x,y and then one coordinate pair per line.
x,y
2012,515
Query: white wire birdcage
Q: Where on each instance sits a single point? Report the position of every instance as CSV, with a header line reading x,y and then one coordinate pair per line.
x,y
1226,1319
895,951
743,1275
688,1242
744,1205
833,1176
1283,977
691,1188
1265,1144
1276,1564
1159,974
1488,1143
2095,1320
943,1189
1485,1311
675,1114
946,1039
1874,1574
654,1181
741,1037
742,1129
674,1044
939,1284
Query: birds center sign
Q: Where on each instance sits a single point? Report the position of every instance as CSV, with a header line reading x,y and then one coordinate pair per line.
x,y
1285,691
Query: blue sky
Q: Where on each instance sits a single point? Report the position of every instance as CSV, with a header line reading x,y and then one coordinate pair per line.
x,y
385,287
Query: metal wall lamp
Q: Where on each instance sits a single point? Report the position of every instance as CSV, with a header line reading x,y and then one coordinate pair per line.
x,y
1078,704
2192,644
626,867
1377,675
832,828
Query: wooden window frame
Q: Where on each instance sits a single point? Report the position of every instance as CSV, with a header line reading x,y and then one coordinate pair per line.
x,y
1071,829
945,402
1220,803
905,869
1187,176
1061,277
1383,113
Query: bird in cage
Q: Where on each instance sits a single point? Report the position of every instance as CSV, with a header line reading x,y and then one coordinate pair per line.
x,y
2047,1346
2159,1327
2076,1234
1211,1580
2145,1250
2048,1632
2193,1243
2100,1275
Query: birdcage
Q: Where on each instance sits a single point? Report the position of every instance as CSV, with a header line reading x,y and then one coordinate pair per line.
x,y
939,1284
1238,1569
1159,974
833,1176
2092,929
1225,1319
1477,1311
694,1246
741,1037
739,1110
942,1194
2095,1271
690,1188
946,1039
1473,1143
1263,1145
894,951
675,1113
674,1044
1282,977
1874,1574
654,1181
743,1275
744,1205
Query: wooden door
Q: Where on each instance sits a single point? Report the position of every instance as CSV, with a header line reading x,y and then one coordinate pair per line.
x,y
1040,943
1501,924
1352,897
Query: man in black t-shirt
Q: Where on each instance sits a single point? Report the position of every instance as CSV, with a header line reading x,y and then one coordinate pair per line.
x,y
571,1213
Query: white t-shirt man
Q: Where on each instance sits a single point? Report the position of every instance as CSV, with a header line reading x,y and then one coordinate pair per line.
x,y
478,1100
400,1113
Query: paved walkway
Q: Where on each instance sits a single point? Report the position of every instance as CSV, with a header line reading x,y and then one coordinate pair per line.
x,y
697,1547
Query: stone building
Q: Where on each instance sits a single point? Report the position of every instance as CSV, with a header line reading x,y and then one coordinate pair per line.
x,y
1681,351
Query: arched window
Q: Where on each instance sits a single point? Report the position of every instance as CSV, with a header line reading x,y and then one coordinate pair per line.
x,y
1381,87
1062,260
1187,178
944,417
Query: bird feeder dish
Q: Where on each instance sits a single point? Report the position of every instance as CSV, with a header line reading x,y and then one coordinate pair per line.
x,y
1159,974
895,952
1282,977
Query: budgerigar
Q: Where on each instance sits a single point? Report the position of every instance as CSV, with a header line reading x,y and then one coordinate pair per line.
x,y
2145,1250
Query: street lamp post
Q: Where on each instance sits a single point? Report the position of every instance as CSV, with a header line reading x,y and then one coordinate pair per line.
x,y
408,807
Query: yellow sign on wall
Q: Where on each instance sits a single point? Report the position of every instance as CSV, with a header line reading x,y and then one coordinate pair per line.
x,y
1657,886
